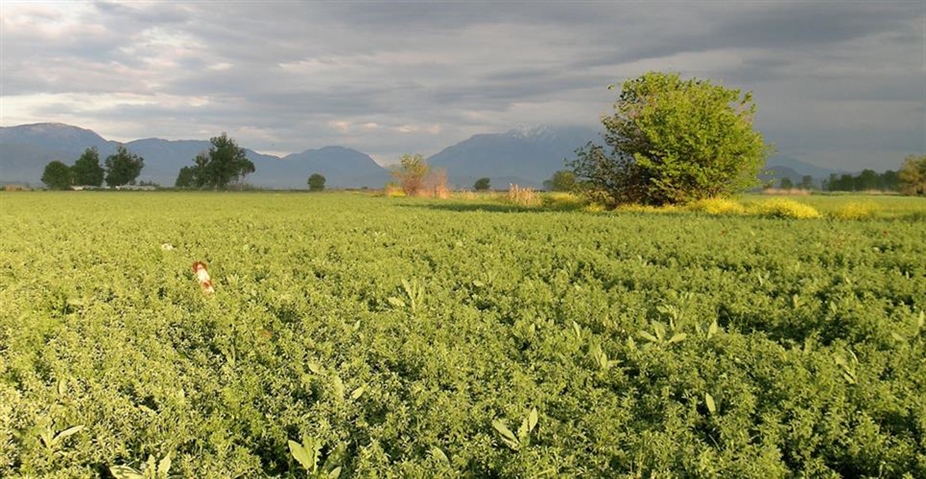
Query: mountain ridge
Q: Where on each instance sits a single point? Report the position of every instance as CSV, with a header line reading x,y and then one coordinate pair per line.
x,y
525,155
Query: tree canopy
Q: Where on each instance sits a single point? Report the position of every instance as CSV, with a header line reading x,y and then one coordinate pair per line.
x,y
482,184
673,141
57,176
562,180
411,173
87,170
224,163
912,175
123,167
316,182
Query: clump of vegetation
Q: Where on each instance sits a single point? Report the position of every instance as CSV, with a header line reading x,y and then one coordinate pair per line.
x,y
785,208
855,211
673,141
718,206
410,173
224,164
316,182
560,200
643,208
526,197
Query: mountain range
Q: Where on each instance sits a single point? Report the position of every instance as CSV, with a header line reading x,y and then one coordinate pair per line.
x,y
523,156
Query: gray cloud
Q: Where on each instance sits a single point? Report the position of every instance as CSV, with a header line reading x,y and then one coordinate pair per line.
x,y
837,83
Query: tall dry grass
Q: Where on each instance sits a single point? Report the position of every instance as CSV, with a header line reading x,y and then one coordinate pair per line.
x,y
526,197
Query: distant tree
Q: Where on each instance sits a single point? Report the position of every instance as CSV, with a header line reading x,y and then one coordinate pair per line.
x,y
482,184
186,178
912,175
562,180
57,176
411,173
786,183
316,182
673,141
868,179
123,167
890,181
807,182
224,163
87,170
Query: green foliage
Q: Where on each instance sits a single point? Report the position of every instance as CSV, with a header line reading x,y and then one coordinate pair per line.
x,y
187,178
806,182
786,183
411,173
316,182
670,345
149,470
57,176
87,170
867,180
912,175
562,180
225,163
482,184
673,141
123,167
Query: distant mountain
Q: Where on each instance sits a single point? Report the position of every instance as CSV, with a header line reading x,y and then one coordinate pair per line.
x,y
341,167
798,168
525,156
26,149
54,136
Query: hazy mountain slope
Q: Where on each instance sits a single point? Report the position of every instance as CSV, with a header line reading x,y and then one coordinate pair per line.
x,y
524,156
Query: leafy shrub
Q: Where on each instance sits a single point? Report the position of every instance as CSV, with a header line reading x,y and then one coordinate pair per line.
x,y
785,208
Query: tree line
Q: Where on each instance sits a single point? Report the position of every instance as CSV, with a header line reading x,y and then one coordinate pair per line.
x,y
120,168
910,179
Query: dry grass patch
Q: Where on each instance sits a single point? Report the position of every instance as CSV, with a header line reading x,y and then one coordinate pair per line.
x,y
526,197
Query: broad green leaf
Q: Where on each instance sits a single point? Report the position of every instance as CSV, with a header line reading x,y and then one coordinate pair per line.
x,y
713,329
649,337
68,432
301,455
709,401
164,465
660,330
395,302
315,367
357,393
437,454
533,417
125,472
334,473
507,436
337,386
677,338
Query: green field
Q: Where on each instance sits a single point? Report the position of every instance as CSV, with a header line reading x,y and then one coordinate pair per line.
x,y
404,337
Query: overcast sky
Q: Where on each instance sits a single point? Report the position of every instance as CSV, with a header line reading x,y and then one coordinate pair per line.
x,y
837,83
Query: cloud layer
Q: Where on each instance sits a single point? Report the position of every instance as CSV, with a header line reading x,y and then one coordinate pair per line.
x,y
840,84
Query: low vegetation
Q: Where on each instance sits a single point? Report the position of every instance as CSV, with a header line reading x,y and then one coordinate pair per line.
x,y
409,337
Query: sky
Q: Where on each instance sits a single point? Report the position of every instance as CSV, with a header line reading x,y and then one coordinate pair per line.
x,y
838,84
